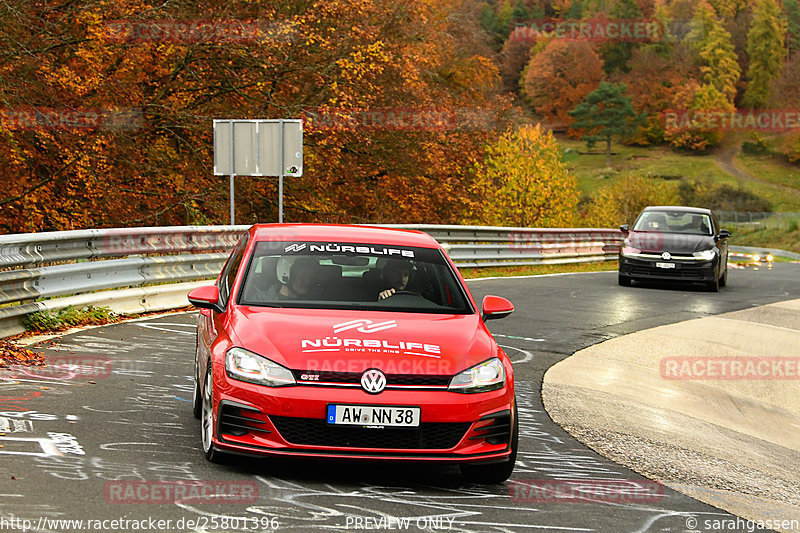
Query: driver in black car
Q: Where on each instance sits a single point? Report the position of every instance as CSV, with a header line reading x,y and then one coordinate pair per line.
x,y
395,275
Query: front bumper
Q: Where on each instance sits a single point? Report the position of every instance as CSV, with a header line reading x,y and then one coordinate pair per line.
x,y
688,271
454,427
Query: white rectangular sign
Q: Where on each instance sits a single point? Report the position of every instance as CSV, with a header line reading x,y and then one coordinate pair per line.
x,y
255,147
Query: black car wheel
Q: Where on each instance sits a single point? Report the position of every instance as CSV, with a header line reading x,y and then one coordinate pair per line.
x,y
494,472
197,401
723,281
207,419
713,286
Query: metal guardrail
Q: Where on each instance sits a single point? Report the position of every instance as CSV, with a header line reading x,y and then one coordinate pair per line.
x,y
746,220
153,268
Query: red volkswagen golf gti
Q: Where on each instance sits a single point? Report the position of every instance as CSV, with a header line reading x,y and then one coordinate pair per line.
x,y
352,342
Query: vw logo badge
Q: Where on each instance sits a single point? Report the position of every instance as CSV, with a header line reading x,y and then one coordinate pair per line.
x,y
666,256
373,381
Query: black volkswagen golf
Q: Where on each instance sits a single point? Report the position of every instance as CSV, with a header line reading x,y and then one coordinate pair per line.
x,y
683,244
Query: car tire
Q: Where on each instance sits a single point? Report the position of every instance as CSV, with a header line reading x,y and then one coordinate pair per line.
x,y
494,473
624,281
723,281
713,286
207,419
197,400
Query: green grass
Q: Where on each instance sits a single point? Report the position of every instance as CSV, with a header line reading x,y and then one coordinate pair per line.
x,y
776,181
768,238
592,173
47,321
537,270
779,182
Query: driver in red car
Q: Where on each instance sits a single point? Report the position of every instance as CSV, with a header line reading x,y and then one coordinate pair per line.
x,y
396,274
301,280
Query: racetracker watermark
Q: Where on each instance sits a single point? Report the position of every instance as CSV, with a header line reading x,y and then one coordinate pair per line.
x,y
544,240
600,30
585,491
189,492
766,120
43,118
730,368
196,31
316,368
64,367
397,119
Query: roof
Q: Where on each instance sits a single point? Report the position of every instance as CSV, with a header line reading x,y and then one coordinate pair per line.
x,y
342,234
684,209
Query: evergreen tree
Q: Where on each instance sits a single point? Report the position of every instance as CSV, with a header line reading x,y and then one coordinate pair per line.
x,y
712,42
765,48
791,11
606,112
616,55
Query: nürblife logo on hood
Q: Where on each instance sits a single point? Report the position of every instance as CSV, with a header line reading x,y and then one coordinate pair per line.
x,y
352,344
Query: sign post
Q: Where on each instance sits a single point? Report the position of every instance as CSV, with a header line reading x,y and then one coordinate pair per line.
x,y
262,147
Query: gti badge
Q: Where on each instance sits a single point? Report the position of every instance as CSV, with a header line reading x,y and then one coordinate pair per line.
x,y
373,381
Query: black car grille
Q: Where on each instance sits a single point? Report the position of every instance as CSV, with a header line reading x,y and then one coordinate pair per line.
x,y
317,432
498,431
236,421
354,378
684,273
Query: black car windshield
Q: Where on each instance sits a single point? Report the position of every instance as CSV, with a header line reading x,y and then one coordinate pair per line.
x,y
352,276
674,222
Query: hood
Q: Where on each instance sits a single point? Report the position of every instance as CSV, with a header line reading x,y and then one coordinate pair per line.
x,y
674,243
348,341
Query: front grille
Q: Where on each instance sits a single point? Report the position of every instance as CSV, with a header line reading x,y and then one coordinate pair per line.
x,y
236,421
496,431
317,432
354,378
684,273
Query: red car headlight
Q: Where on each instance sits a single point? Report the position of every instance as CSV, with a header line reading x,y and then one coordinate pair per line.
x,y
253,368
486,376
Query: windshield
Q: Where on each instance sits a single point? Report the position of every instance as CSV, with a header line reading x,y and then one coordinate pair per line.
x,y
674,222
352,276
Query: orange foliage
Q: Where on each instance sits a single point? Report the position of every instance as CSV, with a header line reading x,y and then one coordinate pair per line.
x,y
147,159
559,77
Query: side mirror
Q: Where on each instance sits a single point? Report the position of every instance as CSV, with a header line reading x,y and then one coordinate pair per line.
x,y
625,228
206,297
723,234
494,307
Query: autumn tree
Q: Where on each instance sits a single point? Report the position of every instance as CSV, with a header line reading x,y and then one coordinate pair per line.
x,y
655,77
716,54
765,46
524,182
691,123
560,76
288,59
620,202
605,113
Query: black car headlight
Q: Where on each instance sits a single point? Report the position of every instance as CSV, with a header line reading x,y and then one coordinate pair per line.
x,y
486,376
253,368
706,255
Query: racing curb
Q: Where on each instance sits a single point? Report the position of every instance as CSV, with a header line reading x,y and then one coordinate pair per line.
x,y
731,443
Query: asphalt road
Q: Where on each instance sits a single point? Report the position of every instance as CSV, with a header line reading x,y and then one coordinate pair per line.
x,y
106,444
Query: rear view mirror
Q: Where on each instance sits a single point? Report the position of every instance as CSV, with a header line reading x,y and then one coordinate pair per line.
x,y
495,307
723,234
206,297
625,228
